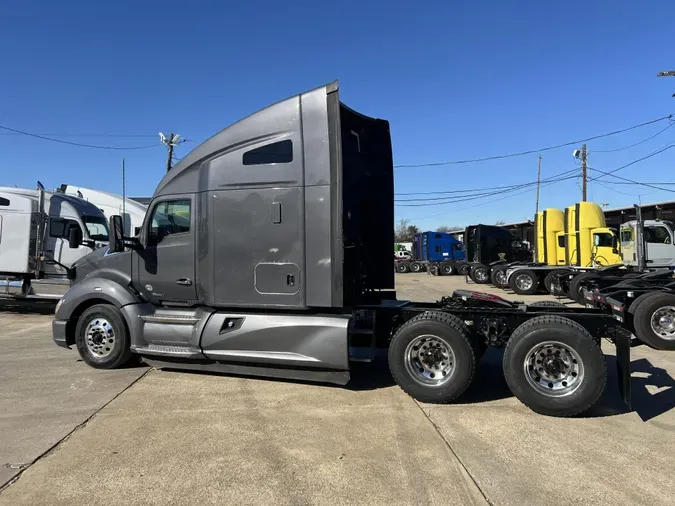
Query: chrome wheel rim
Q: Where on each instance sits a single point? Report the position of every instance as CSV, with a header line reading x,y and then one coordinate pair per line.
x,y
481,274
100,337
415,267
663,322
524,282
430,360
553,369
500,277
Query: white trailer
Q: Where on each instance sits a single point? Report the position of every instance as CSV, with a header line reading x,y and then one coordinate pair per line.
x,y
132,212
37,230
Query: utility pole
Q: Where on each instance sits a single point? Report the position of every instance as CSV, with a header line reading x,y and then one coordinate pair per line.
x,y
170,142
584,174
538,184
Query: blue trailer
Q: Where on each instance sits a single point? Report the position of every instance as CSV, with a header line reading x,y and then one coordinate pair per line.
x,y
434,252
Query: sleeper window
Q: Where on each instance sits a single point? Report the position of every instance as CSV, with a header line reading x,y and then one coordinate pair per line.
x,y
277,152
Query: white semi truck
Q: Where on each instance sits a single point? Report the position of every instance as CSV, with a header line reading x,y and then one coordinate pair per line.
x,y
42,234
132,212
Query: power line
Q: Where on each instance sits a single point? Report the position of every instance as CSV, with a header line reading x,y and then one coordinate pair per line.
x,y
484,203
532,151
485,191
38,136
629,180
130,136
654,153
464,198
624,193
636,144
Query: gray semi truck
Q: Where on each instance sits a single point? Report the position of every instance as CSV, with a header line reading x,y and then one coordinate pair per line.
x,y
260,254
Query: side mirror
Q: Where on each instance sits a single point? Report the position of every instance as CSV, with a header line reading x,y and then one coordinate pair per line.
x,y
74,237
116,239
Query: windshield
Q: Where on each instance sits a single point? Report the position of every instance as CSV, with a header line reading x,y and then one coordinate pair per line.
x,y
97,227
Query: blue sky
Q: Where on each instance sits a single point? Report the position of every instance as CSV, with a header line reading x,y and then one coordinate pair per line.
x,y
455,79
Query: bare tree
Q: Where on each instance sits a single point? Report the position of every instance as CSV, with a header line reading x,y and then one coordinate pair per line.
x,y
500,222
448,228
401,230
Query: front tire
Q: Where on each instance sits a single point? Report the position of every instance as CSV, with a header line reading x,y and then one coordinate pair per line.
x,y
401,268
654,320
431,357
524,282
447,269
464,268
548,283
480,274
554,366
498,277
102,338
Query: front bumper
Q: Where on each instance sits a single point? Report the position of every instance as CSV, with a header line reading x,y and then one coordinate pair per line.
x,y
59,333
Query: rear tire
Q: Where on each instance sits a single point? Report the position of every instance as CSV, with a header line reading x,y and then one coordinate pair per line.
x,y
498,277
447,269
654,320
480,274
554,366
524,282
548,284
102,338
576,293
464,268
415,267
401,268
432,358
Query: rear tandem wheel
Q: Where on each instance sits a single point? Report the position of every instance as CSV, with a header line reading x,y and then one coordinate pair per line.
x,y
554,366
433,358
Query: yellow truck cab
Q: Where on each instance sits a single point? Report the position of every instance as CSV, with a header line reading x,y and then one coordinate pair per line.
x,y
590,242
550,224
575,240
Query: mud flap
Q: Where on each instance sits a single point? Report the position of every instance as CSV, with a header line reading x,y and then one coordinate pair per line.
x,y
622,340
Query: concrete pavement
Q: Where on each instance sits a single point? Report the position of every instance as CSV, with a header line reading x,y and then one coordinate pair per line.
x,y
175,437
46,391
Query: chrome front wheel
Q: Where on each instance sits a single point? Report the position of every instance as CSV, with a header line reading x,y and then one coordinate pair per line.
x,y
100,337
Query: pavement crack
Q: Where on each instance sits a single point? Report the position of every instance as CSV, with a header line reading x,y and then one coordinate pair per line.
x,y
447,443
57,445
10,465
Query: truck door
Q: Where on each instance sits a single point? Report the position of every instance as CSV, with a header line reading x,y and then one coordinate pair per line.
x,y
602,251
660,249
164,268
56,246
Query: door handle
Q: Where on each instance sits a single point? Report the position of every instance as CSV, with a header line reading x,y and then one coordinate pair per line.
x,y
184,281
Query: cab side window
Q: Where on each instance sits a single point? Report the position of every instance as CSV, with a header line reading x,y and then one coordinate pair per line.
x,y
604,240
60,227
168,218
658,235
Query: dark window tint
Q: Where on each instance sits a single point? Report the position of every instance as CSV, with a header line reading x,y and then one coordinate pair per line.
x,y
277,152
459,246
4,202
604,240
561,241
439,236
59,227
170,217
657,235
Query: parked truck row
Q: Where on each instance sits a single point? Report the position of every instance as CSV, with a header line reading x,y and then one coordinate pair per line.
x,y
44,232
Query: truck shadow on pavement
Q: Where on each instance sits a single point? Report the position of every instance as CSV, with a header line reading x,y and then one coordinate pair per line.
x,y
27,307
653,389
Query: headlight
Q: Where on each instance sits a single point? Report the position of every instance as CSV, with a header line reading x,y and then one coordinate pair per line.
x,y
58,304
